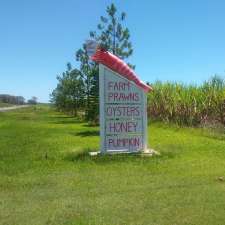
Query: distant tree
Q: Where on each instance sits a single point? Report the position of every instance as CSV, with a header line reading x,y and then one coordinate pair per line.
x,y
32,101
112,35
69,94
20,100
89,74
16,100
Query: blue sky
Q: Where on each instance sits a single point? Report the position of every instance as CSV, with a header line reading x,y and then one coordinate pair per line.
x,y
176,40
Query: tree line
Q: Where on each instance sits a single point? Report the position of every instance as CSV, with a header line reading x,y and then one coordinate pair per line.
x,y
77,91
16,100
10,99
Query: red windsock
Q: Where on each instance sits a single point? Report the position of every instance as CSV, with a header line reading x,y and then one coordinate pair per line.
x,y
116,64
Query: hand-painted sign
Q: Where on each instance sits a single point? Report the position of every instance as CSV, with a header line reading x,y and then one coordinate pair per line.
x,y
123,115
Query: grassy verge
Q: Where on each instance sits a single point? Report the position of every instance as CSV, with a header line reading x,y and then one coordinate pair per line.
x,y
47,178
2,104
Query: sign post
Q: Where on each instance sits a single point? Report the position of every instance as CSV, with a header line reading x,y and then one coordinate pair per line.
x,y
123,106
123,117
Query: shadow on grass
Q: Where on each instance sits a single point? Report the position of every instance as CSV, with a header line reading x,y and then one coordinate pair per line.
x,y
83,156
64,120
90,125
62,117
88,133
218,134
100,158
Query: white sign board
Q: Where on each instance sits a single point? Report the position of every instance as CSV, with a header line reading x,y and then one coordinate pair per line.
x,y
123,114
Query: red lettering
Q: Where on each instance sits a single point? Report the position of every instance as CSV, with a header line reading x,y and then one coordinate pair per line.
x,y
133,142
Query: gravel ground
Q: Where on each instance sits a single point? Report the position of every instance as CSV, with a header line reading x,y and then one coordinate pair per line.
x,y
4,109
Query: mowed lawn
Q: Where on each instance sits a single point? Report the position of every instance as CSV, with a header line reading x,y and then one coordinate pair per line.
x,y
46,176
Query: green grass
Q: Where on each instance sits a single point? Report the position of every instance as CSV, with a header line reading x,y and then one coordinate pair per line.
x,y
47,178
